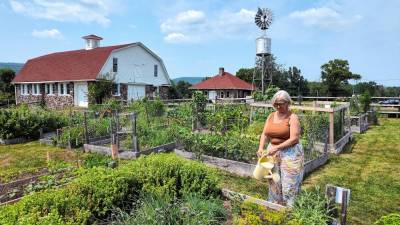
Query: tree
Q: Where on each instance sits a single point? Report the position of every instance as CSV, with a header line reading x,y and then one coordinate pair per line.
x,y
245,74
183,90
297,84
6,88
335,74
317,89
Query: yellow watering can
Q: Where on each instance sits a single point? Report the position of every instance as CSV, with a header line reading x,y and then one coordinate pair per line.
x,y
264,168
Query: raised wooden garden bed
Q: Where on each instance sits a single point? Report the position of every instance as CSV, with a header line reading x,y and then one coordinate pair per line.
x,y
242,168
360,123
106,150
14,141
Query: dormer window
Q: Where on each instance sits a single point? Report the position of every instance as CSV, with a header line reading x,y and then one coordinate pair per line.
x,y
115,65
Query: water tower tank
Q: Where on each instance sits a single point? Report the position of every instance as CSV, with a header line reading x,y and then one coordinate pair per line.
x,y
263,46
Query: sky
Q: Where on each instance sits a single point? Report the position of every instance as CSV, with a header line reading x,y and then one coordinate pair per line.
x,y
195,38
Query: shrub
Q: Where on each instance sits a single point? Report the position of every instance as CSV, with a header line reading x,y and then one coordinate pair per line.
x,y
251,213
27,122
97,191
391,219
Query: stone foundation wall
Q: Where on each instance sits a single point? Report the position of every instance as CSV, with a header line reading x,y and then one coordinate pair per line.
x,y
54,101
164,92
150,91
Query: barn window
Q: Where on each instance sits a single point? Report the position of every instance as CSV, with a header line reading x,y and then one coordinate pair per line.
x,y
116,88
49,89
24,89
155,70
115,64
36,89
63,89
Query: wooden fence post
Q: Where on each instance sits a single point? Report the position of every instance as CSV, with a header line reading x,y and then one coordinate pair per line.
x,y
331,129
114,134
48,157
86,127
344,208
135,144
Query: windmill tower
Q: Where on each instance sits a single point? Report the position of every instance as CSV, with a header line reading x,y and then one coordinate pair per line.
x,y
263,20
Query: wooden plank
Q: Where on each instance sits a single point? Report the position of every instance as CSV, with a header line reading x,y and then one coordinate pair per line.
x,y
306,108
331,128
384,106
232,195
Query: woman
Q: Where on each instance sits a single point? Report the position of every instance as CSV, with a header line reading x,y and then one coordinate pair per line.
x,y
282,130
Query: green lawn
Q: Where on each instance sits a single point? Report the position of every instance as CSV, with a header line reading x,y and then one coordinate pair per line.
x,y
23,160
371,169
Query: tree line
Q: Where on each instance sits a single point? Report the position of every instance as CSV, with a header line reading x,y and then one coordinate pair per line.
x,y
334,82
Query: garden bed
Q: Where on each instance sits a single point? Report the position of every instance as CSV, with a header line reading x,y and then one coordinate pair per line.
x,y
359,124
13,141
244,169
123,154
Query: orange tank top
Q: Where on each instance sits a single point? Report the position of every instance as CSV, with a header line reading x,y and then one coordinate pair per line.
x,y
278,132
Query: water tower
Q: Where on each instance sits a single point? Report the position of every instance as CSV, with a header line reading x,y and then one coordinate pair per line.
x,y
263,20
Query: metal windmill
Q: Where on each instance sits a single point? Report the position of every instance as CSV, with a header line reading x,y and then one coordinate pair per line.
x,y
263,19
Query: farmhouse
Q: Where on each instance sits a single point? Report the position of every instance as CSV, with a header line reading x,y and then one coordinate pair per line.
x,y
224,85
62,79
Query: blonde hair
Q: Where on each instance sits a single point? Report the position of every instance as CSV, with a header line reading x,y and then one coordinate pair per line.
x,y
283,94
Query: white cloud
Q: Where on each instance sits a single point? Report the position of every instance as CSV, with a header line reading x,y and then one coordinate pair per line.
x,y
183,21
176,38
86,11
324,17
51,33
194,26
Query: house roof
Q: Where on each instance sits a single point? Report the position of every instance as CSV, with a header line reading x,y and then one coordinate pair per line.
x,y
223,81
66,66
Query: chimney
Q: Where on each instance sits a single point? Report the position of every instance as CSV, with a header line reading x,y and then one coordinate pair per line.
x,y
221,71
92,41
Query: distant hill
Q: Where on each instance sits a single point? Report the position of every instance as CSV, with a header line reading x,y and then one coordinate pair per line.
x,y
191,80
14,66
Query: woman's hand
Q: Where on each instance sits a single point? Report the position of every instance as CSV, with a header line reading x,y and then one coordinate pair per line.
x,y
273,150
260,152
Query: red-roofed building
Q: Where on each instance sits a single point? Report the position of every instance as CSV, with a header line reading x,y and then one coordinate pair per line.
x,y
61,79
224,85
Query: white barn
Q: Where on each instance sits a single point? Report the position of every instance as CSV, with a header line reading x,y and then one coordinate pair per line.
x,y
61,79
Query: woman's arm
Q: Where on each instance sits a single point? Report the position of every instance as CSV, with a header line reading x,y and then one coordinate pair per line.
x,y
294,135
263,138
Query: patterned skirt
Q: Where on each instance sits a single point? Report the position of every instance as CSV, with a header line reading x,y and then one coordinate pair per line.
x,y
290,167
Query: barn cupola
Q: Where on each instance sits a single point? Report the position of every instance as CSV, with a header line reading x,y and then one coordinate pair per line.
x,y
92,41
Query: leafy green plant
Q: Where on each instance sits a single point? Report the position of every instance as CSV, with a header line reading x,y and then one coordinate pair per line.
x,y
254,214
269,93
365,101
191,209
96,160
391,219
310,208
27,122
